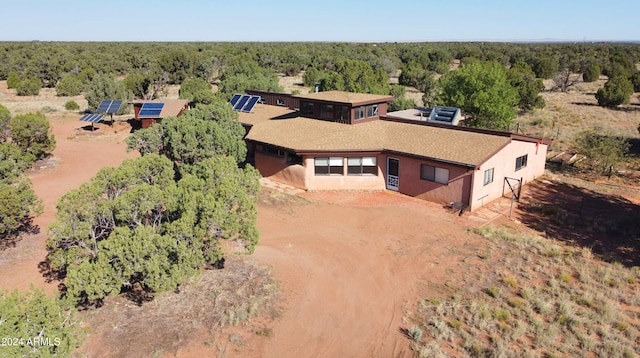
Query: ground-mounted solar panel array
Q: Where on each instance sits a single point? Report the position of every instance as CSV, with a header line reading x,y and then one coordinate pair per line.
x,y
92,117
109,106
151,110
244,102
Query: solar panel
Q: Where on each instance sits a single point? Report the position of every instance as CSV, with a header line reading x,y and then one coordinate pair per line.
x,y
235,99
251,103
92,117
241,102
109,106
104,105
114,107
151,109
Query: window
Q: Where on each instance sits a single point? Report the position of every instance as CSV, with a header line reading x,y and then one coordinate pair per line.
x,y
362,166
372,110
329,165
306,107
342,112
273,150
280,102
359,112
488,176
293,158
326,111
438,175
521,162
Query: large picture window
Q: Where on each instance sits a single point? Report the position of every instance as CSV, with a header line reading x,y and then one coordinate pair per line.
x,y
358,112
435,174
329,165
521,162
362,166
488,176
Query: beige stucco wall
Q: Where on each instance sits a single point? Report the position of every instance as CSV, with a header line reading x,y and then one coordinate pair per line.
x,y
343,182
504,164
278,169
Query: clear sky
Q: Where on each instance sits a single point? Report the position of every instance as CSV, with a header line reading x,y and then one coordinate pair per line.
x,y
329,20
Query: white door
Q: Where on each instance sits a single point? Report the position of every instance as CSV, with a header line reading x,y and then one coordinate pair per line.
x,y
393,173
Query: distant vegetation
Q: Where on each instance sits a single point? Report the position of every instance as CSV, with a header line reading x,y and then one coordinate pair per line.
x,y
147,68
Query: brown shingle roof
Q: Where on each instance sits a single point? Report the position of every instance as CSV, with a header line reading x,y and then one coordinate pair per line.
x,y
346,97
444,144
262,113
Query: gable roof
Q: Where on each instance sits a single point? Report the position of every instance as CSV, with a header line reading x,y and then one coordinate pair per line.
x,y
302,135
346,97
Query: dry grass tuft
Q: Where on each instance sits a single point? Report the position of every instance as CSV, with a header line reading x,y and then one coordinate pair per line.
x,y
541,298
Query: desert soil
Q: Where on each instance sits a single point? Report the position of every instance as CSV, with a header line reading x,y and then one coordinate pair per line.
x,y
350,266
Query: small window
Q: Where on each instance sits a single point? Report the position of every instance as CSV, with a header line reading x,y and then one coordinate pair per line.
x,y
306,107
488,176
521,162
359,112
435,174
362,166
280,102
329,166
372,110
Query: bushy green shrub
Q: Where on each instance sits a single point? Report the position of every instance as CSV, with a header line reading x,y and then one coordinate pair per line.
x,y
69,85
13,79
591,73
28,87
38,325
31,132
635,79
5,116
71,106
616,91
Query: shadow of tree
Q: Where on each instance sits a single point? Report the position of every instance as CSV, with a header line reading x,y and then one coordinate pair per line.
x,y
607,224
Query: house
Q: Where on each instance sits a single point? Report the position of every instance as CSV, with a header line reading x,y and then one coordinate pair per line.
x,y
347,141
153,111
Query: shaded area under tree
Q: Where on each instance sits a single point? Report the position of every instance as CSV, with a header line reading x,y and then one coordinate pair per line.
x,y
608,224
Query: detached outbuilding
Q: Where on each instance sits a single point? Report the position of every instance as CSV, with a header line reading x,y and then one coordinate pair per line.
x,y
347,141
153,111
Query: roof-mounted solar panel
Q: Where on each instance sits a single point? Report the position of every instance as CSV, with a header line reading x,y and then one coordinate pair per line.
x,y
151,109
235,99
241,102
92,117
250,104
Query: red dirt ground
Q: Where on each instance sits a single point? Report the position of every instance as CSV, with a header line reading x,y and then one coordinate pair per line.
x,y
76,159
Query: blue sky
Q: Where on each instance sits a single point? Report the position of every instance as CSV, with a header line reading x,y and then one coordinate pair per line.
x,y
329,20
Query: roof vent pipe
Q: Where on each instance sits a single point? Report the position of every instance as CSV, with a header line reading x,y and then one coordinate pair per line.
x,y
316,87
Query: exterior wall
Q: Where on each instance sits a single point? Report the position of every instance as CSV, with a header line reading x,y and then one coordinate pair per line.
x,y
504,164
456,190
148,122
343,182
274,99
278,169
